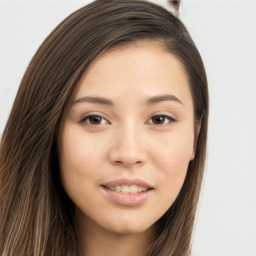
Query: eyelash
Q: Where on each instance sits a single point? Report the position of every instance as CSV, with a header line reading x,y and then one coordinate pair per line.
x,y
167,118
84,120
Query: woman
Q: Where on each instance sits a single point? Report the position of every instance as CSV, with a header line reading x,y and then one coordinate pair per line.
x,y
104,149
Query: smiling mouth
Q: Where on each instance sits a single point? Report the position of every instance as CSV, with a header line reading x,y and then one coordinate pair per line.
x,y
131,189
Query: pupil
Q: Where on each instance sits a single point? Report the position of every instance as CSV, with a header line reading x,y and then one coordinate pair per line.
x,y
95,119
158,119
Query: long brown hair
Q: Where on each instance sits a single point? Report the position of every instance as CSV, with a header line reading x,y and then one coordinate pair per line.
x,y
36,215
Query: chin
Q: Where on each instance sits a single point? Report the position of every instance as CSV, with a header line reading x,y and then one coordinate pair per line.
x,y
121,224
128,228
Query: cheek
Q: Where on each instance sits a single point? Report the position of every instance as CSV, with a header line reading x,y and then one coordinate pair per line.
x,y
79,149
172,160
173,152
77,161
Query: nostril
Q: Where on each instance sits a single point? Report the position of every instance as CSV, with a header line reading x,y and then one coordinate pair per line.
x,y
126,156
127,163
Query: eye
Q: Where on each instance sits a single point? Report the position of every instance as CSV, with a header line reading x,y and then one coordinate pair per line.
x,y
94,120
161,119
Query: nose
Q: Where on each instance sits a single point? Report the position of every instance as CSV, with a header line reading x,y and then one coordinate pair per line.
x,y
127,148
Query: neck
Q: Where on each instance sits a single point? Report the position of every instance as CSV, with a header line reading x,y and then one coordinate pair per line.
x,y
94,240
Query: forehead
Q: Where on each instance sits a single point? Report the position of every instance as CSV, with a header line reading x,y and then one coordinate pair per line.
x,y
142,68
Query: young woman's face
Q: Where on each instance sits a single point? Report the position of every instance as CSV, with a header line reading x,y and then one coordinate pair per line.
x,y
128,138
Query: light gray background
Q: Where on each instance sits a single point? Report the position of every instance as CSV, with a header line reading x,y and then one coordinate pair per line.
x,y
225,33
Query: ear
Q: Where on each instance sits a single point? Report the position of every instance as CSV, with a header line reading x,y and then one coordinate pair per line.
x,y
196,134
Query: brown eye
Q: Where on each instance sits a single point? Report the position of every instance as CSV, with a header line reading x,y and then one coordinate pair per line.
x,y
94,120
162,119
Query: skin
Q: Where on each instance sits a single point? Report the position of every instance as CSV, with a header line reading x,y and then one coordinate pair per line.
x,y
127,143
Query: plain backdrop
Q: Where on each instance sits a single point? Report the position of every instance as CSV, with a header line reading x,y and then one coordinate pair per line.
x,y
225,33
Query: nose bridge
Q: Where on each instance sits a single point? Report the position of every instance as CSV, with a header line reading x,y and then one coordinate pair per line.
x,y
127,147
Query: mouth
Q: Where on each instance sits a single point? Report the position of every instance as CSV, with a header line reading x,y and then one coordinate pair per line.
x,y
128,186
128,192
128,189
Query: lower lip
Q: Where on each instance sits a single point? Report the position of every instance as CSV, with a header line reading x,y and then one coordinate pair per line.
x,y
128,199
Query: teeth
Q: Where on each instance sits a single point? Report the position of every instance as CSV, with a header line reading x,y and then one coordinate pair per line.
x,y
125,189
139,189
133,189
129,189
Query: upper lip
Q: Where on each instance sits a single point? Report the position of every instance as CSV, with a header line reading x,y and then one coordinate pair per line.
x,y
128,182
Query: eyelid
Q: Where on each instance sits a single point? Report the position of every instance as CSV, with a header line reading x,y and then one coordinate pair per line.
x,y
84,118
170,118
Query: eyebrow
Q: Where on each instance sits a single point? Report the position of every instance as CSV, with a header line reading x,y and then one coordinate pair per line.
x,y
92,99
150,101
166,97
